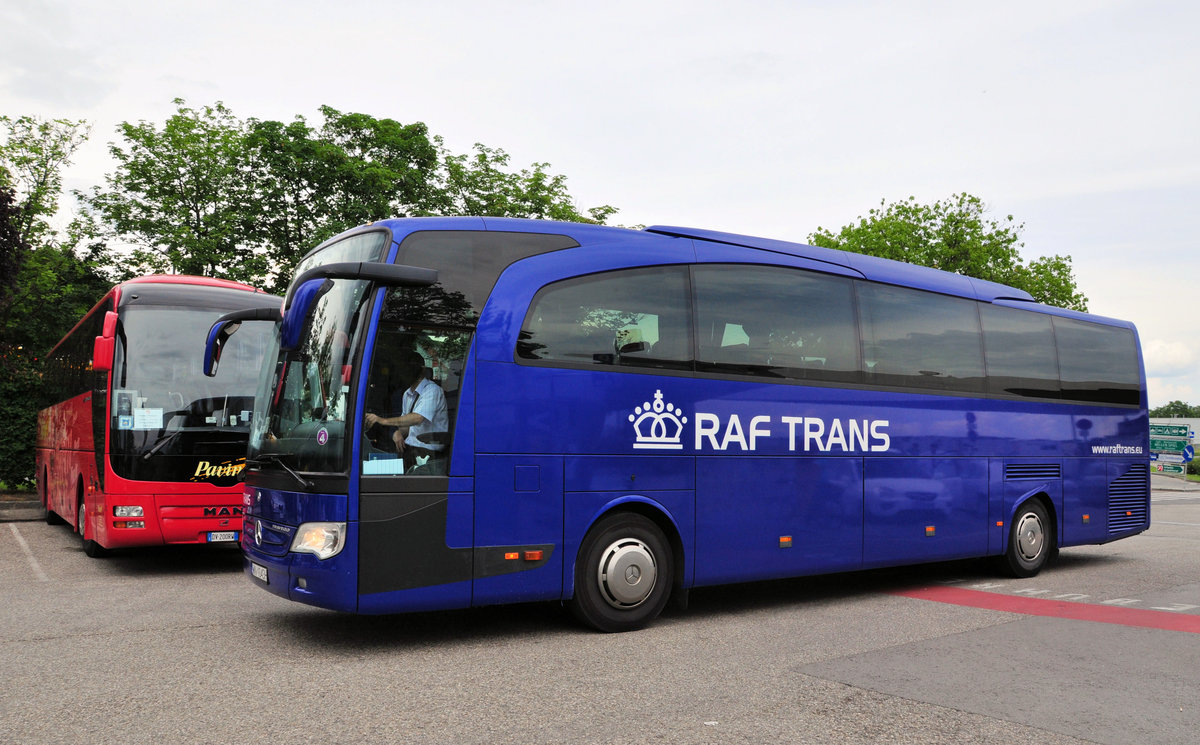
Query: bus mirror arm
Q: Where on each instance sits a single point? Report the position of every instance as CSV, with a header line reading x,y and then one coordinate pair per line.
x,y
225,326
393,275
312,284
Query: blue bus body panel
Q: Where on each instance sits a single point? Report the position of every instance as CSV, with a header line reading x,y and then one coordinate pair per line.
x,y
807,517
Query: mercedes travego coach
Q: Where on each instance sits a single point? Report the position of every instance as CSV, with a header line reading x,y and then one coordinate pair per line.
x,y
139,447
468,411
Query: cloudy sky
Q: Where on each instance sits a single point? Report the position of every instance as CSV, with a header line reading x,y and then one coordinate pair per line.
x,y
1080,119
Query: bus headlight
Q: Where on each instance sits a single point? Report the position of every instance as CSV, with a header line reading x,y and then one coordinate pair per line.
x,y
128,511
324,540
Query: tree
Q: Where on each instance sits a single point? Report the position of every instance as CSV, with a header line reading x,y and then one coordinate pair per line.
x,y
179,195
211,194
32,157
311,184
481,184
956,236
13,248
1176,409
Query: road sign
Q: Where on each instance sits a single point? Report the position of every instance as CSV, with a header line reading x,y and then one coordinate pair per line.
x,y
1169,469
1169,430
1167,457
1167,446
1189,452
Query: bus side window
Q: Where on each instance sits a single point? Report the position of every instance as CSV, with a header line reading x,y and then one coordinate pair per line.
x,y
776,322
611,318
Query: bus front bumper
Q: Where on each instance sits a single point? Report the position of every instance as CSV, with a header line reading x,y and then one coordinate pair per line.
x,y
326,583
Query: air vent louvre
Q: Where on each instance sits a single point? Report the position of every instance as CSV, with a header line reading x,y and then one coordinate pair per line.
x,y
1031,471
1129,499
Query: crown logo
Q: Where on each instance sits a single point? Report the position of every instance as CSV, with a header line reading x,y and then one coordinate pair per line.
x,y
658,426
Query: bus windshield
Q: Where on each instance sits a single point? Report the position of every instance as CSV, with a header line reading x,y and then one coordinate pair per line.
x,y
163,405
300,413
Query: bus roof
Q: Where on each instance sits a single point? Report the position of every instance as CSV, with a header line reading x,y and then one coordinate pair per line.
x,y
869,267
189,279
862,265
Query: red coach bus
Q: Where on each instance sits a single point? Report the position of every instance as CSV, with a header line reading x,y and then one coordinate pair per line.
x,y
139,447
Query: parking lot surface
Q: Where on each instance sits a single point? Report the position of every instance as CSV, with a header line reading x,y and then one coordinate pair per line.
x,y
178,645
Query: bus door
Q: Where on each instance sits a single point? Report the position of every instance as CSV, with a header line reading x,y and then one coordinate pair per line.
x,y
415,516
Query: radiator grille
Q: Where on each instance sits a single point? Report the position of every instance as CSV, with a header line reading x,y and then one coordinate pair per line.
x,y
1129,499
1031,471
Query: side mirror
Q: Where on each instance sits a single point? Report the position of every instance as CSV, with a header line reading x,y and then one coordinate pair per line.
x,y
224,327
296,315
102,353
105,345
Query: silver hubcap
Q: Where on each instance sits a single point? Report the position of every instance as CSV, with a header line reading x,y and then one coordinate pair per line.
x,y
627,573
1030,537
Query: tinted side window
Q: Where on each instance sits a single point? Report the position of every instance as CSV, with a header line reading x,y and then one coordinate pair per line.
x,y
469,261
1021,358
1097,363
775,322
634,317
920,339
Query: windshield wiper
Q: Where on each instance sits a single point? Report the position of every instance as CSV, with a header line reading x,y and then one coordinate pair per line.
x,y
161,443
277,459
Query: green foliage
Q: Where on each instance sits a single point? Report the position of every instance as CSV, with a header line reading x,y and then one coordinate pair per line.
x,y
1176,409
178,195
245,200
956,236
32,157
13,248
20,399
312,184
481,184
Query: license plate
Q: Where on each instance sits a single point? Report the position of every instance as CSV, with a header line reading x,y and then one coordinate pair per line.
x,y
222,535
259,572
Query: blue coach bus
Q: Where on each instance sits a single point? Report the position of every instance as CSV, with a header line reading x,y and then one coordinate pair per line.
x,y
471,411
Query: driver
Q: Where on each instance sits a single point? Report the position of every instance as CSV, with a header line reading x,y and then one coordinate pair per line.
x,y
423,421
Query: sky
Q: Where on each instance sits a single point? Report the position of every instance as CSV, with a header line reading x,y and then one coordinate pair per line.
x,y
1079,119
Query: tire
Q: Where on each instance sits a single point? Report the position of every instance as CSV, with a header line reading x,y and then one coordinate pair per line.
x,y
1030,541
90,547
623,574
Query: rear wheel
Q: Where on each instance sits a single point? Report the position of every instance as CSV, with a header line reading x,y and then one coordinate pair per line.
x,y
623,574
1030,541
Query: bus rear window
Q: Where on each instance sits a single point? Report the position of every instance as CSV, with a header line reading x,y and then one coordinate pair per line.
x,y
1097,363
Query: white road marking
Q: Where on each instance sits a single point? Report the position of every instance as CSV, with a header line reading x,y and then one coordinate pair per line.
x,y
33,562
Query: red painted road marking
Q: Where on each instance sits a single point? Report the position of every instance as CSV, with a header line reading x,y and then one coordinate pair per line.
x,y
1150,619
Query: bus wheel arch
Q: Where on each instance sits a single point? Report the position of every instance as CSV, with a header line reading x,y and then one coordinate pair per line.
x,y
52,517
626,569
1032,537
90,547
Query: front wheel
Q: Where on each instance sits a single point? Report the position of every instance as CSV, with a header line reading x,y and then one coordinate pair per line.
x,y
90,547
1030,541
623,574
